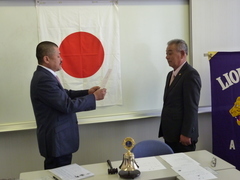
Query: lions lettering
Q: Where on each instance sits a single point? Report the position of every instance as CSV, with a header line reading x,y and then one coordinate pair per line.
x,y
231,78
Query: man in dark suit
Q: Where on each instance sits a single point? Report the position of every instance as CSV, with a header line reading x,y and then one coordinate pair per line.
x,y
179,118
55,108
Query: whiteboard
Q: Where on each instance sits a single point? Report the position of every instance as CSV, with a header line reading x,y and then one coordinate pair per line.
x,y
145,29
214,27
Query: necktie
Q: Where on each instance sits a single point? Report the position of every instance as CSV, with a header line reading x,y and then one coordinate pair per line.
x,y
58,79
172,78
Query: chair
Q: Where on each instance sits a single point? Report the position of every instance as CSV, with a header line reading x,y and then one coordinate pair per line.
x,y
151,148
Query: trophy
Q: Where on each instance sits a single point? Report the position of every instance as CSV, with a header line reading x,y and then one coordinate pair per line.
x,y
129,167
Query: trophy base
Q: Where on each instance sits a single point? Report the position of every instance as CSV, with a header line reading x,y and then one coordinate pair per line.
x,y
129,174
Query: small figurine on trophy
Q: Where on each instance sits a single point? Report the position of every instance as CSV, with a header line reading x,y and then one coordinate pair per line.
x,y
129,167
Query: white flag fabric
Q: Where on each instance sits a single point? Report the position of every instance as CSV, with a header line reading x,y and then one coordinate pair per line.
x,y
88,38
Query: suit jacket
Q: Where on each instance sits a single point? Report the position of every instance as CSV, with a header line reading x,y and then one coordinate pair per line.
x,y
55,113
180,106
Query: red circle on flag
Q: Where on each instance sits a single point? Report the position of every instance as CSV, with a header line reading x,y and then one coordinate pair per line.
x,y
82,54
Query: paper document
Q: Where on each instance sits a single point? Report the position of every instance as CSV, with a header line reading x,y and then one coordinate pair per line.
x,y
178,159
105,79
196,172
186,167
71,172
149,164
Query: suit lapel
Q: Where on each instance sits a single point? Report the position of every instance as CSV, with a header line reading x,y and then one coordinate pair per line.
x,y
39,68
167,84
177,78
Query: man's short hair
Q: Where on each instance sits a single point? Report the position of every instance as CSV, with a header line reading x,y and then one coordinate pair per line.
x,y
44,48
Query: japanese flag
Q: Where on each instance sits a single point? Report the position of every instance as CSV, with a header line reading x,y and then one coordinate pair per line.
x,y
88,38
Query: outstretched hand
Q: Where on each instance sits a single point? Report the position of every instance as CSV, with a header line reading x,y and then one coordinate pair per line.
x,y
93,89
100,94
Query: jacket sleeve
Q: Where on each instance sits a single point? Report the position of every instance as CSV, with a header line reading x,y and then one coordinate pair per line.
x,y
191,96
52,94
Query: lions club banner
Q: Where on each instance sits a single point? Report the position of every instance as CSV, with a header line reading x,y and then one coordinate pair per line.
x,y
88,38
225,85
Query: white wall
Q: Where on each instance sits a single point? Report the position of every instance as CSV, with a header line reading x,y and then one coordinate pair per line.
x,y
144,32
98,142
214,28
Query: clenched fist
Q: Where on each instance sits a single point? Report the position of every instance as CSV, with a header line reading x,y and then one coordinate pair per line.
x,y
100,93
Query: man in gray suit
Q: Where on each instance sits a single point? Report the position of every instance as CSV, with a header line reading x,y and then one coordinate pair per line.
x,y
55,108
179,118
